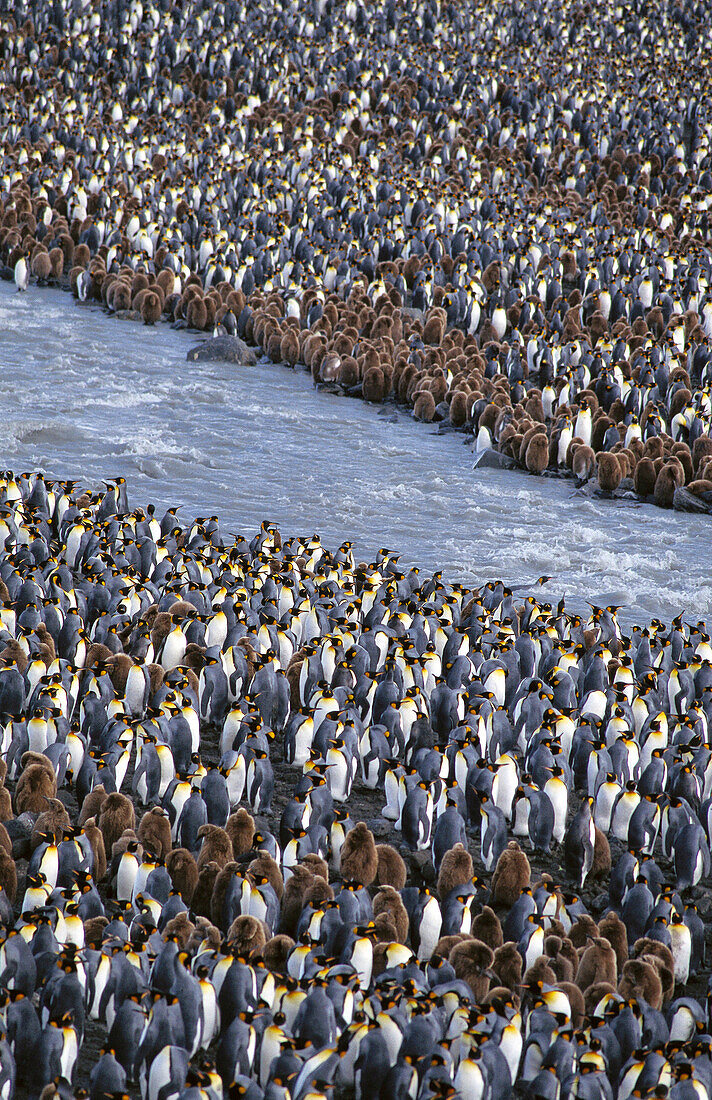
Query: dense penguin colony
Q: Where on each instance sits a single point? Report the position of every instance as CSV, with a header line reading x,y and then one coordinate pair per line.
x,y
188,725
496,215
275,823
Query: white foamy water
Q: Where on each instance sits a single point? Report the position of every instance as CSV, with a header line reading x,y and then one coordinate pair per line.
x,y
88,397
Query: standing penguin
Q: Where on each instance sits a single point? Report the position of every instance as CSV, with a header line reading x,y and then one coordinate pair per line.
x,y
425,917
358,952
8,1069
691,855
449,831
57,1050
644,825
579,842
626,804
636,909
681,945
146,782
697,934
371,1065
417,817
213,692
557,792
193,814
127,871
107,1076
534,816
531,941
607,794
216,796
342,765
165,1073
259,783
493,833
22,274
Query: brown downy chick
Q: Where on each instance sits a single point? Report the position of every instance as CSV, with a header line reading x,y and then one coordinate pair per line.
x,y
154,832
183,870
94,835
388,900
116,814
456,869
276,952
246,935
640,978
598,964
264,866
472,962
217,901
91,806
216,846
182,927
240,827
612,928
35,787
507,965
391,867
486,927
293,898
359,858
52,821
511,875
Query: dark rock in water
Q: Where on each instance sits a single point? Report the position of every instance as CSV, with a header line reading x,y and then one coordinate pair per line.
x,y
128,315
685,501
623,493
493,460
228,349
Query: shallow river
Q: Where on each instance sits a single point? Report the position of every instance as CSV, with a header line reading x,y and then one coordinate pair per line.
x,y
86,396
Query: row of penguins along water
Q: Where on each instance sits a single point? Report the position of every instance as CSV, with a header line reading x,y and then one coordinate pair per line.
x,y
155,678
496,216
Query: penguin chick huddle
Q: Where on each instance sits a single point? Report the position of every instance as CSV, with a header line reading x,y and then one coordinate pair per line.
x,y
498,217
235,934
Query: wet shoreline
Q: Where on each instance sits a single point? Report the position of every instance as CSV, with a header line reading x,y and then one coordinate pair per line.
x,y
243,432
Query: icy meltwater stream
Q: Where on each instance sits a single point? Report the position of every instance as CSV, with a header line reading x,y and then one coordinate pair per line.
x,y
87,397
